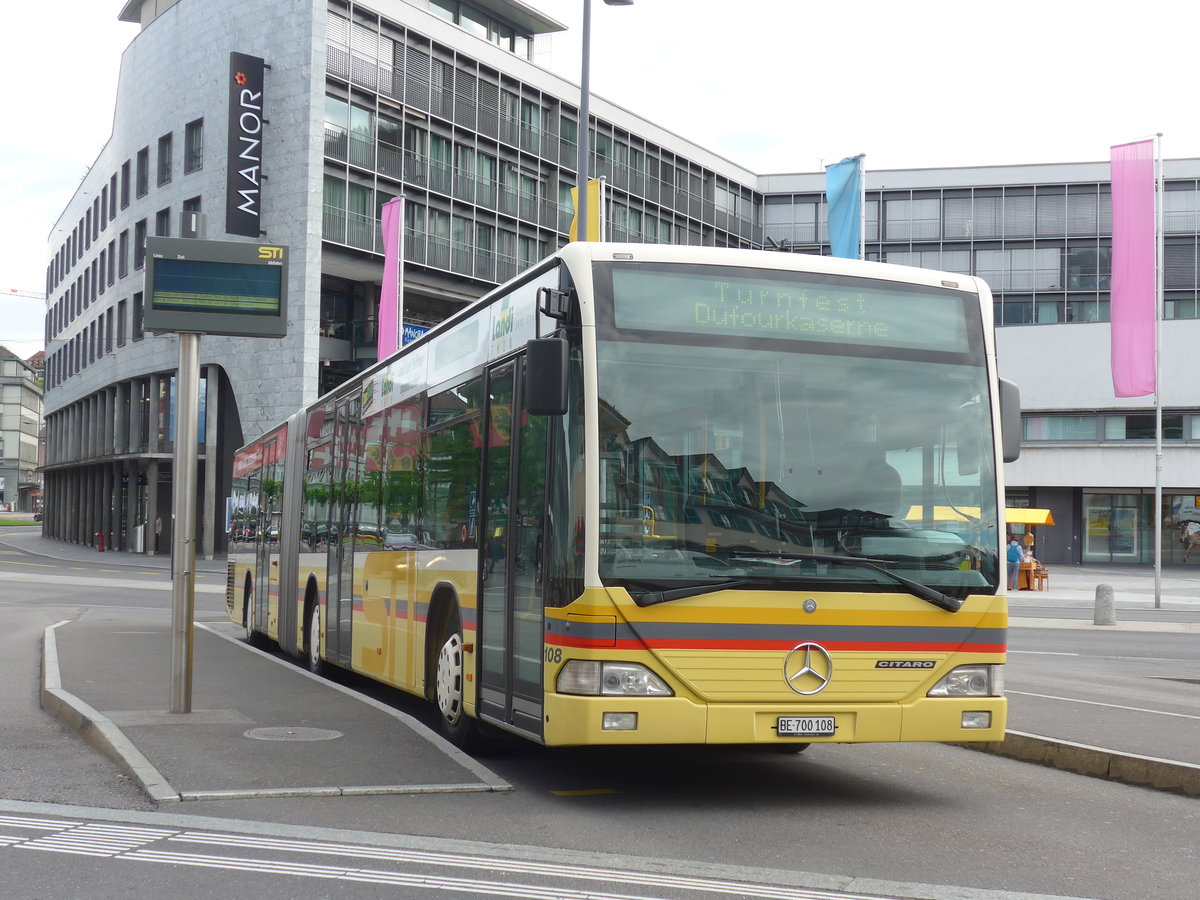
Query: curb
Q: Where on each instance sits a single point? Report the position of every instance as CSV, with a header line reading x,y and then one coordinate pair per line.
x,y
1097,762
95,728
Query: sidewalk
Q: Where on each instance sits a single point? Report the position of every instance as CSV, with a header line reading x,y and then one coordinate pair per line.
x,y
1133,587
31,540
261,726
258,727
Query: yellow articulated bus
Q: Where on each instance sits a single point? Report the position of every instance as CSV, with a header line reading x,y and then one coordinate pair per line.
x,y
653,495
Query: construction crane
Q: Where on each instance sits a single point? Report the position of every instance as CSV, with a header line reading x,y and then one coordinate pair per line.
x,y
29,295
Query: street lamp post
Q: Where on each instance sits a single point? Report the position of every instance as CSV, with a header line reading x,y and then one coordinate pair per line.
x,y
585,93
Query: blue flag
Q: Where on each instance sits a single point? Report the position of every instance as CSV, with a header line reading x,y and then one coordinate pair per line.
x,y
843,188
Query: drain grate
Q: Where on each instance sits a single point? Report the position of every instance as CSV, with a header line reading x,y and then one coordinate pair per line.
x,y
292,733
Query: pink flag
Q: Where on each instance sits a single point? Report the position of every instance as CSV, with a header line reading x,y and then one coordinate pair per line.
x,y
391,310
1133,308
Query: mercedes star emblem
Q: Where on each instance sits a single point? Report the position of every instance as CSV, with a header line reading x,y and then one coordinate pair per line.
x,y
808,668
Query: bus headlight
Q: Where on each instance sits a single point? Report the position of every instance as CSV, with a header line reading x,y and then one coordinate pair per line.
x,y
588,676
971,681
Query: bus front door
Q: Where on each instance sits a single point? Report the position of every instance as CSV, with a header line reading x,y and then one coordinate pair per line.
x,y
343,525
511,627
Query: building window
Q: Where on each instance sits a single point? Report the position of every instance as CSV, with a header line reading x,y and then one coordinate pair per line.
x,y
162,223
912,220
165,155
1059,428
112,262
138,333
1142,428
193,146
143,171
122,318
1021,269
1088,268
443,9
139,244
190,226
123,243
124,184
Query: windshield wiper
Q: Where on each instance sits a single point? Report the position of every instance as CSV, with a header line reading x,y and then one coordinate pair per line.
x,y
650,598
924,592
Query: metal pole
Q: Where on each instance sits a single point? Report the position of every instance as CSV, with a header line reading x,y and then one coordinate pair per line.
x,y
400,273
183,555
585,89
862,206
1158,301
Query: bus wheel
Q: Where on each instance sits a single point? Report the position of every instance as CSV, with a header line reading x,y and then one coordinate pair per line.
x,y
316,665
253,637
457,726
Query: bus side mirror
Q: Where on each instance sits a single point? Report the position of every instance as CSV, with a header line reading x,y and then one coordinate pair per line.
x,y
554,303
546,376
1010,420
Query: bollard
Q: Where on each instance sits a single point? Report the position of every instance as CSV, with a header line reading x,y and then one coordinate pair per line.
x,y
1106,610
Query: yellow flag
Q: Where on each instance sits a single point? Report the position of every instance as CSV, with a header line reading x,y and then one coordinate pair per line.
x,y
594,210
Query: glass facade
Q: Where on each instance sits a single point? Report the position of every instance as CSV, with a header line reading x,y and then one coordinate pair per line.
x,y
1119,528
1044,249
494,156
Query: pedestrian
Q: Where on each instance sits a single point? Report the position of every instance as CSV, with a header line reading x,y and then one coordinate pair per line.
x,y
1015,555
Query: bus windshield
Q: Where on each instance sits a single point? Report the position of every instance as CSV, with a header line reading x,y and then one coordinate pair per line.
x,y
753,422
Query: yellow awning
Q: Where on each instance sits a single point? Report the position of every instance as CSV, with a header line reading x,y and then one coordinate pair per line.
x,y
1024,516
1013,515
945,513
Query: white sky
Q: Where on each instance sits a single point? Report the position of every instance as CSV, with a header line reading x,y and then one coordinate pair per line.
x,y
773,85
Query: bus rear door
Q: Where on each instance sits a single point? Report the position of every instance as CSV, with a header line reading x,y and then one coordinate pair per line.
x,y
343,524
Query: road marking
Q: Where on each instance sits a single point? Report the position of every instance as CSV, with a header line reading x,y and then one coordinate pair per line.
x,y
82,580
1157,712
131,842
585,793
9,562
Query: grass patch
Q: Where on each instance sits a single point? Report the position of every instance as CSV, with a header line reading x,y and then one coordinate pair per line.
x,y
8,523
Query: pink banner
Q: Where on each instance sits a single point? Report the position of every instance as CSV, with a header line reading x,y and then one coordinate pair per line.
x,y
390,313
1133,307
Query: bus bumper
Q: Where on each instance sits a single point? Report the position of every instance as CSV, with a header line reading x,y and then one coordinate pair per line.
x,y
573,720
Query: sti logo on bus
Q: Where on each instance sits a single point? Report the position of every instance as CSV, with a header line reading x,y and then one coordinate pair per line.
x,y
270,253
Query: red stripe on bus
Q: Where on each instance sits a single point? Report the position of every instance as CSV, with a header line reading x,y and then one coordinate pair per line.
x,y
911,646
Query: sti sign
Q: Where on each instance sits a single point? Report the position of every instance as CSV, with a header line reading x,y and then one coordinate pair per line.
x,y
215,287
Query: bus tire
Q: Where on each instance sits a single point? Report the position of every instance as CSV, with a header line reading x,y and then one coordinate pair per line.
x,y
790,748
312,642
254,637
449,677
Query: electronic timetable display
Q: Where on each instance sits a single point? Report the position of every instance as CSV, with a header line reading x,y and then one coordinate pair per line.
x,y
215,287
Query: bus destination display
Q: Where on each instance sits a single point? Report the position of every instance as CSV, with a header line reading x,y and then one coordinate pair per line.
x,y
749,303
